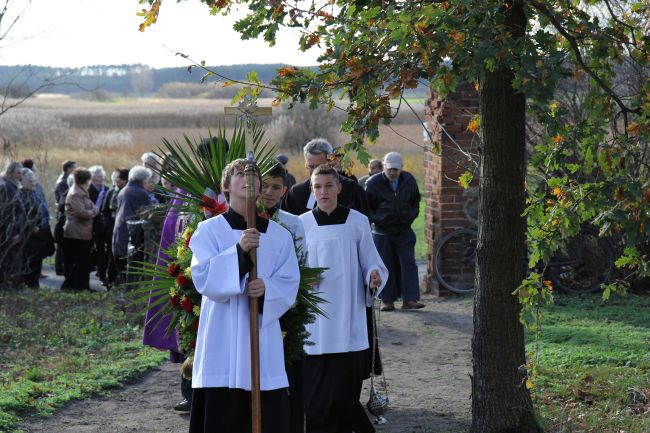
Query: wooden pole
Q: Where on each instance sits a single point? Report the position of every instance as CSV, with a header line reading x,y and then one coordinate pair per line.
x,y
253,303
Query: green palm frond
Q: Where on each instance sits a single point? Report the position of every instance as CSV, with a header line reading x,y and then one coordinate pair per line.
x,y
193,173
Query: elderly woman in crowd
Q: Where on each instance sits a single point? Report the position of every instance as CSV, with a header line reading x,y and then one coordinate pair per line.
x,y
130,200
40,242
12,222
78,232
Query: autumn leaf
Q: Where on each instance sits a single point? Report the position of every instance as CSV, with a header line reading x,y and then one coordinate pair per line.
x,y
312,40
633,129
457,37
287,72
150,16
548,284
474,124
557,139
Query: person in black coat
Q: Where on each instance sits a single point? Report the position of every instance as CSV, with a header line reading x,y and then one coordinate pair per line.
x,y
108,212
101,237
40,243
300,199
60,193
394,203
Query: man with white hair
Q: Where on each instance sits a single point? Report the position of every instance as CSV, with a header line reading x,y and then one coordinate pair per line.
x,y
394,202
154,163
300,199
133,197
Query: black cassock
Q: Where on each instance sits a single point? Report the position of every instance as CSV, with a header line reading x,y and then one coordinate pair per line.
x,y
233,407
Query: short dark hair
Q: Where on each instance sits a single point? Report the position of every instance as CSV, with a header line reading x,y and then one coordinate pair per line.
x,y
326,169
205,150
81,175
278,171
67,165
122,173
28,163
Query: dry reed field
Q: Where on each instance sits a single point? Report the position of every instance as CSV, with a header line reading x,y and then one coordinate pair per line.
x,y
54,128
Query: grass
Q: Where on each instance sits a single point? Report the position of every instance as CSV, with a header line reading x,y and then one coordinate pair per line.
x,y
61,346
421,242
595,365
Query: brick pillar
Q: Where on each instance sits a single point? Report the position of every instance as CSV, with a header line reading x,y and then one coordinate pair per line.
x,y
445,200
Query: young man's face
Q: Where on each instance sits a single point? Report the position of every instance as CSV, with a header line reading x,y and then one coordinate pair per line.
x,y
237,187
272,191
326,190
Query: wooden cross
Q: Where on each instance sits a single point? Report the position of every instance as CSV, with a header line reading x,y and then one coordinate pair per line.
x,y
248,110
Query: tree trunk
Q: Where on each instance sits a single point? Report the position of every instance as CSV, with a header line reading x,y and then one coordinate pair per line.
x,y
500,401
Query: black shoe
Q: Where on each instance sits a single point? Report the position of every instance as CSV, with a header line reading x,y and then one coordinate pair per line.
x,y
184,406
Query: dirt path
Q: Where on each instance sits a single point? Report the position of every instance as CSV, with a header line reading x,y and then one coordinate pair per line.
x,y
426,355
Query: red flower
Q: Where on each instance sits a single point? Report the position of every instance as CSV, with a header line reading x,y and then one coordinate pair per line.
x,y
174,269
196,325
175,300
192,344
181,280
187,242
187,305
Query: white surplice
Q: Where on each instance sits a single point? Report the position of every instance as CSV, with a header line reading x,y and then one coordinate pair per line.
x,y
222,356
349,253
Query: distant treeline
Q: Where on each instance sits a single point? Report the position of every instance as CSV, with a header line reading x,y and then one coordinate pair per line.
x,y
134,79
121,79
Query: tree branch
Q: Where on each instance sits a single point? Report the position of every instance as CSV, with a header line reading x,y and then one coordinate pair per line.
x,y
543,9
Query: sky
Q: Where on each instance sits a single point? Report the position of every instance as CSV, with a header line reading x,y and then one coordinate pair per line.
x,y
74,33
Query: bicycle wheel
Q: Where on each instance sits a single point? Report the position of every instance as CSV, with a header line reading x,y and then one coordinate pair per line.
x,y
455,260
584,263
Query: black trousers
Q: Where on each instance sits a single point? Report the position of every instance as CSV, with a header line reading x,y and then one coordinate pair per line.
x,y
398,254
228,410
76,263
332,388
101,246
296,398
32,276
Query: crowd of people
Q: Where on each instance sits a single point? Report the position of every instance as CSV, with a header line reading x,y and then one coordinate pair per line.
x,y
360,230
96,227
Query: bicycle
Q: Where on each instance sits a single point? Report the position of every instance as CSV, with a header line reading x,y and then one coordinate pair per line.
x,y
581,265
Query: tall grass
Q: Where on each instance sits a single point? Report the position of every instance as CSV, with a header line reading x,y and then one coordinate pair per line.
x,y
116,133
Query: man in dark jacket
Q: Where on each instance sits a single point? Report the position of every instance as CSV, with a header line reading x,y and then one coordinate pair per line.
x,y
300,199
108,212
60,193
394,203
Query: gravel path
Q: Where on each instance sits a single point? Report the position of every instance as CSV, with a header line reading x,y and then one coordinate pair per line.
x,y
426,355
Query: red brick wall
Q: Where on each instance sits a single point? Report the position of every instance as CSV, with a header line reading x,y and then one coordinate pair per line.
x,y
447,121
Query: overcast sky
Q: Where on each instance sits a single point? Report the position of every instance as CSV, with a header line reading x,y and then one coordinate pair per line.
x,y
72,33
